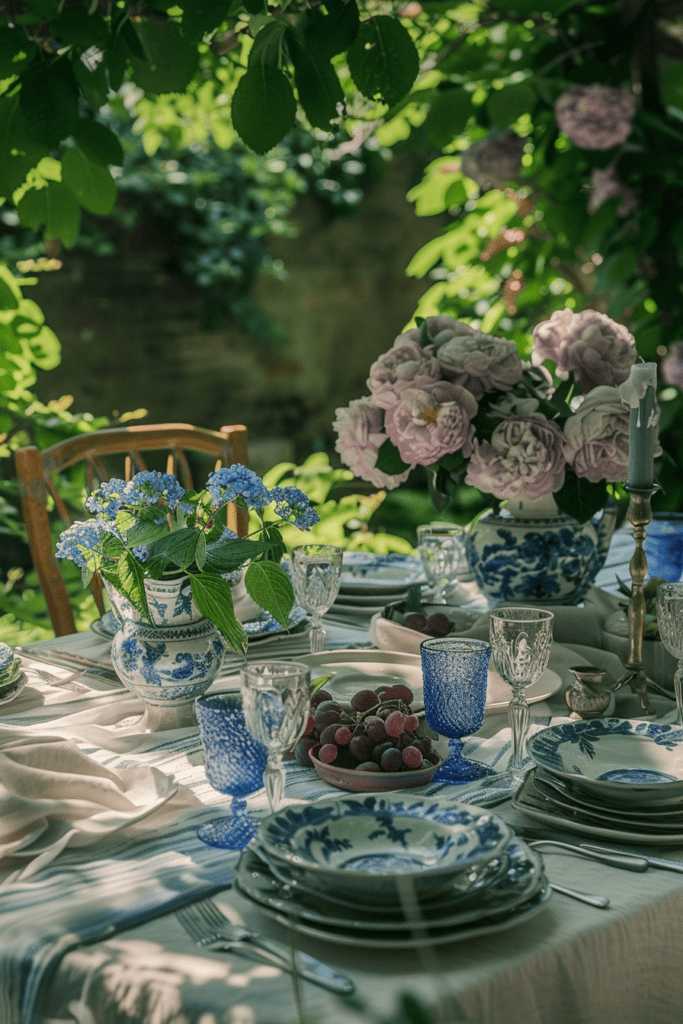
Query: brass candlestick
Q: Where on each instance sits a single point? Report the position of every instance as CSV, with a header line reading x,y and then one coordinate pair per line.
x,y
640,515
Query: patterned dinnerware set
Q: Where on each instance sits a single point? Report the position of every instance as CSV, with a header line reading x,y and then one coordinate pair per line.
x,y
369,582
391,871
611,778
12,679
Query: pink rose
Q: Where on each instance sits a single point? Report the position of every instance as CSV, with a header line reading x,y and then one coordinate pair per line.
x,y
595,116
607,185
361,434
596,437
480,362
403,365
430,421
524,459
595,348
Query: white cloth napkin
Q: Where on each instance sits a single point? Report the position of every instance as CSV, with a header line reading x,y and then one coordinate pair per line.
x,y
53,795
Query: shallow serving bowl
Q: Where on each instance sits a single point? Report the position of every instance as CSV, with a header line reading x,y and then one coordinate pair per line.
x,y
615,759
366,844
372,782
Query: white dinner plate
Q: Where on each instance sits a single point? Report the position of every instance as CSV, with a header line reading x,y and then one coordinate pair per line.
x,y
356,670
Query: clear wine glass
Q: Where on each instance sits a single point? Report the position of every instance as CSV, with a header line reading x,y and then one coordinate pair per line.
x,y
316,573
455,674
275,699
520,642
670,624
442,552
234,763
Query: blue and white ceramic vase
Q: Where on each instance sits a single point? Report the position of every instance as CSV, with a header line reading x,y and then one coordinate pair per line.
x,y
170,661
532,552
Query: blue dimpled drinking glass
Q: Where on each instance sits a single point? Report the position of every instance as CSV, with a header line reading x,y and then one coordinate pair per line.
x,y
234,763
455,673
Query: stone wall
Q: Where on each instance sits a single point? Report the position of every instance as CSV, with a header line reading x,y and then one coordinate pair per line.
x,y
132,338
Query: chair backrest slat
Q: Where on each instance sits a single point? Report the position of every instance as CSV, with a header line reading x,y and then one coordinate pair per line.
x,y
35,470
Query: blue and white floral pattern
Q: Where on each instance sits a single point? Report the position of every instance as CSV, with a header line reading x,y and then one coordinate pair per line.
x,y
554,559
392,571
362,843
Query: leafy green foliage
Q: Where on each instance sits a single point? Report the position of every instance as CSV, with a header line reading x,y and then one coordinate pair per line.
x,y
213,598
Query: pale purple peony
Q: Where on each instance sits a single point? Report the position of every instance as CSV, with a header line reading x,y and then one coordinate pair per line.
x,y
439,328
361,432
524,459
480,362
606,185
403,365
595,348
671,366
432,420
596,437
595,116
495,161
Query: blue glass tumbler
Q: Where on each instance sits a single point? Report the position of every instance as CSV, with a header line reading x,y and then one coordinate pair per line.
x,y
455,673
234,763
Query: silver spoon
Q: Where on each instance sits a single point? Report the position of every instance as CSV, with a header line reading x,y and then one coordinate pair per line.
x,y
583,897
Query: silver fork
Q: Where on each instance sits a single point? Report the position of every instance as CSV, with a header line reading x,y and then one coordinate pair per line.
x,y
64,682
209,927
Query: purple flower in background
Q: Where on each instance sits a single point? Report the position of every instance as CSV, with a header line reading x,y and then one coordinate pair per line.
x,y
595,116
231,482
360,427
524,459
606,185
480,362
671,366
432,420
495,161
596,436
405,363
595,348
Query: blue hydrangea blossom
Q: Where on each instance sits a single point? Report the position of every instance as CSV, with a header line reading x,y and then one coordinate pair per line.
x,y
232,482
294,506
78,538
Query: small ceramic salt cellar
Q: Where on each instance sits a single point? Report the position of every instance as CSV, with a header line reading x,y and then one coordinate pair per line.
x,y
590,696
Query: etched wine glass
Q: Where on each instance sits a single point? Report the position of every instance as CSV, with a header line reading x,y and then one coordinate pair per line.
x,y
316,574
455,674
442,553
520,642
670,624
234,764
275,699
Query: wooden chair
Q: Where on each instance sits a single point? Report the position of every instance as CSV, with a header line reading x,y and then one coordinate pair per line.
x,y
36,471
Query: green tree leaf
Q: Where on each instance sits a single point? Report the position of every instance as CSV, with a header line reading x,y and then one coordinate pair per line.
x,y
334,32
201,16
10,293
55,206
506,105
20,152
317,84
213,598
269,585
448,116
46,352
383,60
49,101
15,49
263,107
268,45
91,183
98,143
389,461
172,59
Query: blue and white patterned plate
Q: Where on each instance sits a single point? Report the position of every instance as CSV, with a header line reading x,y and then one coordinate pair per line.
x,y
363,572
265,625
617,759
369,843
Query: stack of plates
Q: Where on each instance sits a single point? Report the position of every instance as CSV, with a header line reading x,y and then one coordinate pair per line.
x,y
12,679
391,871
610,778
370,582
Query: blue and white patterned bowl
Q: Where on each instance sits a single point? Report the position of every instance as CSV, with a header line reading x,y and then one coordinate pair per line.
x,y
616,759
363,571
365,844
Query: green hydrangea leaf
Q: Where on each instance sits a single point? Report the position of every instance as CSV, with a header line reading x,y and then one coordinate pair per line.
x,y
213,598
383,60
263,107
269,585
179,547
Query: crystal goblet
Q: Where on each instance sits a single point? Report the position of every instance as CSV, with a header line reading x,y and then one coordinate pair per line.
x,y
234,763
455,673
520,642
316,573
442,552
275,698
670,623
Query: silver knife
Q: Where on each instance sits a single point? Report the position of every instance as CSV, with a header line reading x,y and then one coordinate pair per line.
x,y
655,862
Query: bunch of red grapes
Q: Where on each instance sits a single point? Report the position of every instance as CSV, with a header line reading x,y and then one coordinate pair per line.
x,y
378,734
437,624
